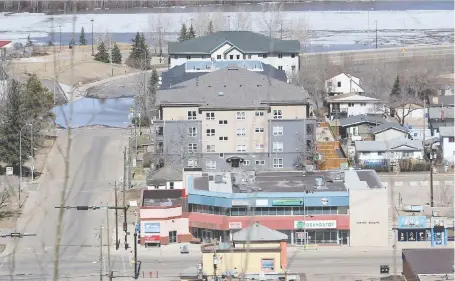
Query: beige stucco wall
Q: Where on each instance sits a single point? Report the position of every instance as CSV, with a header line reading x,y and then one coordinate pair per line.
x,y
160,213
248,262
368,217
290,111
178,113
257,245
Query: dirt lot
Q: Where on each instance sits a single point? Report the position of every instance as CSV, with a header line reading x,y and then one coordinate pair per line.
x,y
86,70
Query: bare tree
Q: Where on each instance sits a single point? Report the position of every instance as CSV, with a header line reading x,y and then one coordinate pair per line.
x,y
241,19
202,20
159,25
271,19
307,153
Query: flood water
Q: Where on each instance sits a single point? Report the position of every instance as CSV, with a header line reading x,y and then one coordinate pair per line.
x,y
90,111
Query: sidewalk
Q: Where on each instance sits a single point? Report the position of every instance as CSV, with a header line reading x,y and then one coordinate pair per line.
x,y
400,246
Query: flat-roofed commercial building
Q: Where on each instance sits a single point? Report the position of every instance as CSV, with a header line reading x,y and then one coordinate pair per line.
x,y
341,207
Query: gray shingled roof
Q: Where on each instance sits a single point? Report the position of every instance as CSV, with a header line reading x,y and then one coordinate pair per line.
x,y
246,41
430,261
388,125
163,175
359,119
177,75
257,233
239,88
446,131
391,145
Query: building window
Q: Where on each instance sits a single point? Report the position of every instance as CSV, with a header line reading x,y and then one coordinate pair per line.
x,y
277,114
246,162
192,131
210,148
192,163
249,56
192,147
241,132
451,139
210,165
203,57
309,129
277,146
259,146
231,57
241,115
176,56
241,148
259,113
292,55
339,83
351,104
210,115
221,155
223,138
192,115
259,162
277,162
188,57
210,132
259,130
277,130
222,122
363,104
268,265
238,57
280,67
218,57
280,56
171,185
264,56
293,67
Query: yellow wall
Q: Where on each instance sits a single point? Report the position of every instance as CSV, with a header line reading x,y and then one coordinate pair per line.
x,y
230,261
290,111
178,113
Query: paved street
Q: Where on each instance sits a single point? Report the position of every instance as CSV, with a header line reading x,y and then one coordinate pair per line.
x,y
96,161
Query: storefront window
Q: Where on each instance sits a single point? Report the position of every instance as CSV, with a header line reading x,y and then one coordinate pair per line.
x,y
280,211
268,265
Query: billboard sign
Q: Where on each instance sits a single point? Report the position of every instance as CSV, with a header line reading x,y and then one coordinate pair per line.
x,y
412,222
152,238
151,227
437,222
313,224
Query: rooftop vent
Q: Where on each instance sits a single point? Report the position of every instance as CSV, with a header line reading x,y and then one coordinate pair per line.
x,y
320,183
218,178
220,93
337,177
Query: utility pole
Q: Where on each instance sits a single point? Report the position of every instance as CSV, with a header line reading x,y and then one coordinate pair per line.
x,y
136,273
376,34
116,218
93,50
101,253
125,224
60,27
108,241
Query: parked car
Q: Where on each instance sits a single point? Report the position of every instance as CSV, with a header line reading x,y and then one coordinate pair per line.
x,y
184,249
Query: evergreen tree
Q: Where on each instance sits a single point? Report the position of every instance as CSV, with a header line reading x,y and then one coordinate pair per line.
x,y
102,55
191,33
10,128
396,89
151,93
140,54
82,40
210,28
29,42
183,33
116,55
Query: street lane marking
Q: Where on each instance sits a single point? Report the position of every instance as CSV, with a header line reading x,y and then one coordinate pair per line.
x,y
424,183
448,182
398,183
413,183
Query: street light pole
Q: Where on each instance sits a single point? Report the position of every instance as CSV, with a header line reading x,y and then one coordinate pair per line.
x,y
376,34
60,27
93,50
31,147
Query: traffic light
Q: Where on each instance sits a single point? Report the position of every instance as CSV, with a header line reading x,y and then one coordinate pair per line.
x,y
125,227
82,208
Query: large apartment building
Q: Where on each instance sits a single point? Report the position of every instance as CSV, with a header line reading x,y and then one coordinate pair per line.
x,y
233,118
238,46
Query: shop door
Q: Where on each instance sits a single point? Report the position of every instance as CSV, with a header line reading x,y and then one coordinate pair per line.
x,y
343,237
206,235
172,237
301,238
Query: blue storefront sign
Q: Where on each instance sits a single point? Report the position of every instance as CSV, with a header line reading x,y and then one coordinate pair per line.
x,y
412,222
439,232
151,227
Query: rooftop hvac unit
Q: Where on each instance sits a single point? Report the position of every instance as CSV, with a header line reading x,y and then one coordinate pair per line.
x,y
218,178
320,182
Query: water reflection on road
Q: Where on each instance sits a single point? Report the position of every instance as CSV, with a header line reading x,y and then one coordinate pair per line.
x,y
90,111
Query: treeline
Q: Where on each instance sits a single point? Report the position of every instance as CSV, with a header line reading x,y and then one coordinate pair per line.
x,y
50,6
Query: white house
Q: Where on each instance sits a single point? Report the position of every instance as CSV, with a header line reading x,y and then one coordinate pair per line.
x,y
410,110
389,131
391,150
238,46
343,84
354,104
447,143
4,45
